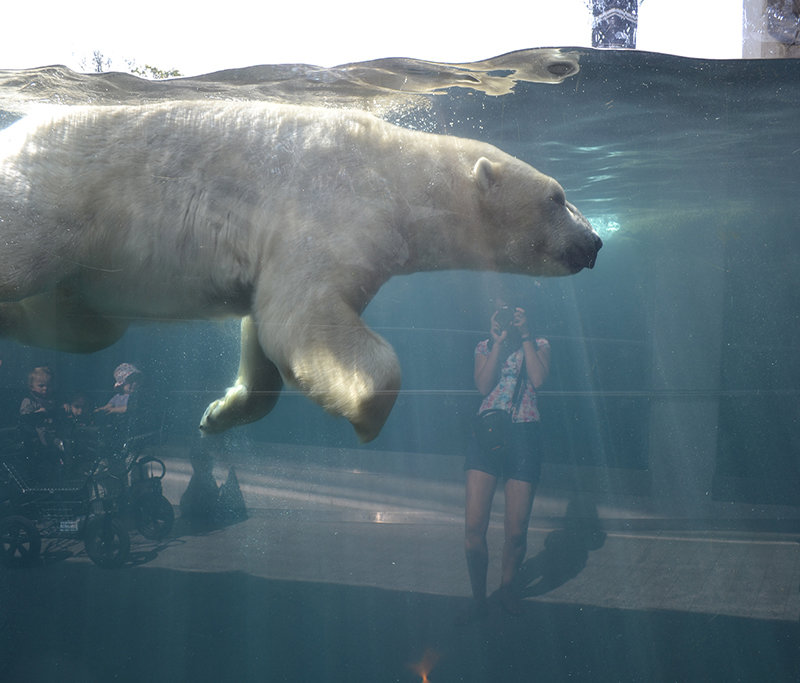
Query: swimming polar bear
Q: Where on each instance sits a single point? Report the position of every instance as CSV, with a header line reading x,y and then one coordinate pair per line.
x,y
289,217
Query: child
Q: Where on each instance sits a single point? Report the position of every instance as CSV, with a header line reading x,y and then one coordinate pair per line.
x,y
75,409
36,410
40,389
126,378
37,417
120,407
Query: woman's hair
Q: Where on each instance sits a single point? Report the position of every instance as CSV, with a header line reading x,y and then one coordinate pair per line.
x,y
509,296
514,294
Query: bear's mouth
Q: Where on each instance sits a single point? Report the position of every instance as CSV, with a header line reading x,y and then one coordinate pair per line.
x,y
537,258
584,256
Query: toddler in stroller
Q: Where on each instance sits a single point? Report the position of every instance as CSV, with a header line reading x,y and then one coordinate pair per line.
x,y
127,425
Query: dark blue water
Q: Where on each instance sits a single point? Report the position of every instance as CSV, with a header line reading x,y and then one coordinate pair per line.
x,y
675,377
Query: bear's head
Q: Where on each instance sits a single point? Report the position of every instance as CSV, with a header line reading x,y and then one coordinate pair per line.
x,y
534,229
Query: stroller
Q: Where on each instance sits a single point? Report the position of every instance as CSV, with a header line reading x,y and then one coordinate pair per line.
x,y
92,487
58,501
133,481
132,478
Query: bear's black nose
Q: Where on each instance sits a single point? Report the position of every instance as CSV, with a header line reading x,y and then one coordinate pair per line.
x,y
586,257
597,244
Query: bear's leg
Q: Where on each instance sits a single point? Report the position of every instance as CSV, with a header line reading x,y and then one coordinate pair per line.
x,y
337,361
58,320
255,391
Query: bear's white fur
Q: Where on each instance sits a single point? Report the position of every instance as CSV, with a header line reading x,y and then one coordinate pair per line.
x,y
288,217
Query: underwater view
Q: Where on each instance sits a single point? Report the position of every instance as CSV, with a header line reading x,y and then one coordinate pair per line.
x,y
663,539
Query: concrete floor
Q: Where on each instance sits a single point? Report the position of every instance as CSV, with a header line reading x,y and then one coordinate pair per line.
x,y
345,573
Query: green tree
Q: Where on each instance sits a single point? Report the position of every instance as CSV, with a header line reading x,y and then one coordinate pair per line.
x,y
153,72
99,63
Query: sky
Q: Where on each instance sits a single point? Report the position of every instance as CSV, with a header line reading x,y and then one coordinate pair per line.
x,y
200,38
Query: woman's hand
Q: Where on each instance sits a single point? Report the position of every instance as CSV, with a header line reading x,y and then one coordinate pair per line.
x,y
499,335
520,322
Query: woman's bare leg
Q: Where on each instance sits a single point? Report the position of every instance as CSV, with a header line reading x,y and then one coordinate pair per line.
x,y
519,501
479,494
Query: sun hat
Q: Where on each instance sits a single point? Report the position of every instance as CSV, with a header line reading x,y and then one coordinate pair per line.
x,y
121,373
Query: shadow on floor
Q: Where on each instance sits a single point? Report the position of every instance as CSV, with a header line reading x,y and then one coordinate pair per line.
x,y
75,622
565,550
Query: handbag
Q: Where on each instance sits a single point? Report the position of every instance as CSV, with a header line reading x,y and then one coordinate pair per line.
x,y
493,426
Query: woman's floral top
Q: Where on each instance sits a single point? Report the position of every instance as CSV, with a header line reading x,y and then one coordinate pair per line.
x,y
501,396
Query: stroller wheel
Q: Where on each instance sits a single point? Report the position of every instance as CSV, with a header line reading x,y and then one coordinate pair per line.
x,y
20,541
154,516
107,542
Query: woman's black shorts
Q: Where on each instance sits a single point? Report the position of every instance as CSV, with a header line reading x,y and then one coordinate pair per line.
x,y
521,458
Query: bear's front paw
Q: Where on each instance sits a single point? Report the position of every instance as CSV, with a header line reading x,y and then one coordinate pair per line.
x,y
226,412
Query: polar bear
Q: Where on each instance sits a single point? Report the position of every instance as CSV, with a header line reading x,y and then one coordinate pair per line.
x,y
289,217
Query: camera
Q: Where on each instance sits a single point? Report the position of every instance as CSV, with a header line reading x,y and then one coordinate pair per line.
x,y
505,316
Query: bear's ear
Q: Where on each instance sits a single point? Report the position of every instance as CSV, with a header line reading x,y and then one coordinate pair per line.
x,y
486,173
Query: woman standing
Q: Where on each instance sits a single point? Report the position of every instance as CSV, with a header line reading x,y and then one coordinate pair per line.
x,y
509,367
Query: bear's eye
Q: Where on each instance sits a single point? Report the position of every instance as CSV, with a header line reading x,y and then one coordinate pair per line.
x,y
559,198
